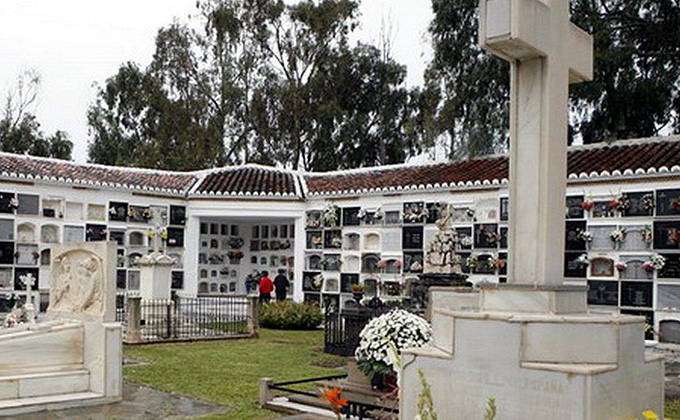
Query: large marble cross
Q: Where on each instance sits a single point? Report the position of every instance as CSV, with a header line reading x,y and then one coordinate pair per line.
x,y
546,52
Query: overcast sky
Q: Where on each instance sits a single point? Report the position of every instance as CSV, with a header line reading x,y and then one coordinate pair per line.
x,y
74,44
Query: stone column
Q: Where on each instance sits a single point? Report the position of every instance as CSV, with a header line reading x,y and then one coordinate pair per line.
x,y
299,253
133,332
253,316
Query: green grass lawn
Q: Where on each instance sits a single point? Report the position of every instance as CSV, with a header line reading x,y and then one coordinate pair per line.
x,y
227,372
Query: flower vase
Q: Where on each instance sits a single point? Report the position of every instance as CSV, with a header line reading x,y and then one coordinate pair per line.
x,y
358,296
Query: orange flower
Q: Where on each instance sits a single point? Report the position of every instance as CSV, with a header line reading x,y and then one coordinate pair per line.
x,y
332,396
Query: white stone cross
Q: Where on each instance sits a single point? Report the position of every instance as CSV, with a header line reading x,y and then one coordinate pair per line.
x,y
546,52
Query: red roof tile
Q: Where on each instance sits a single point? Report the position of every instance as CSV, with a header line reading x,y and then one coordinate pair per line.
x,y
249,180
20,166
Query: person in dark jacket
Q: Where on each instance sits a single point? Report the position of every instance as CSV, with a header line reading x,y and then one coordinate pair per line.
x,y
266,287
281,285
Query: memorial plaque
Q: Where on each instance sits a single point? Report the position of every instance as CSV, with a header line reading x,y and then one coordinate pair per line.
x,y
369,263
413,262
640,204
462,214
667,234
314,262
118,211
667,202
603,292
175,237
432,212
601,240
392,218
332,239
370,287
412,237
314,239
6,229
274,231
503,263
28,204
636,293
573,267
572,240
486,235
121,279
331,303
602,209
634,270
137,214
332,262
313,220
178,215
504,209
414,212
670,270
22,271
264,232
27,254
504,237
634,240
668,296
331,285
351,264
5,202
6,280
312,299
391,239
255,245
214,228
74,211
95,232
204,229
574,207
224,229
350,216
308,282
601,267
346,282
74,234
463,233
483,265
283,231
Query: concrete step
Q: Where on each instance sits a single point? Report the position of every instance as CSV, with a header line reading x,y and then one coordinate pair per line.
x,y
18,406
30,384
284,405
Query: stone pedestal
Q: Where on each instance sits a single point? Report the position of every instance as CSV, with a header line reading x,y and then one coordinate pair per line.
x,y
559,363
155,276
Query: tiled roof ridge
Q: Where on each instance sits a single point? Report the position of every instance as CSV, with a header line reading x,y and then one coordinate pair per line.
x,y
626,142
99,165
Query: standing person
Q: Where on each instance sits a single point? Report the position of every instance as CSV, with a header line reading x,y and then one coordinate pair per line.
x,y
281,285
266,287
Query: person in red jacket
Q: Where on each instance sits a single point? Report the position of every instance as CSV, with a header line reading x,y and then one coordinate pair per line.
x,y
266,287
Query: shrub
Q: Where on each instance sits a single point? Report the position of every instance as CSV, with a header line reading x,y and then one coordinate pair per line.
x,y
290,316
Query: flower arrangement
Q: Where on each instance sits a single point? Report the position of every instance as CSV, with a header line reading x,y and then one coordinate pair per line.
x,y
317,240
584,235
415,213
147,213
472,262
466,241
382,264
312,221
13,203
236,243
235,255
361,215
587,205
623,202
614,204
583,259
357,288
491,263
500,263
383,339
675,205
132,214
36,255
330,215
621,265
491,238
655,262
317,281
16,317
336,242
648,200
332,397
646,234
398,264
618,235
379,214
330,262
416,265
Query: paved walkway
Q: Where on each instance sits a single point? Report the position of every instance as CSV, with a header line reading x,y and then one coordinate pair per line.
x,y
138,403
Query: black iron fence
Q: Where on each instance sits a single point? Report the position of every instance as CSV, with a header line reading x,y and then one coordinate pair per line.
x,y
342,328
187,318
353,408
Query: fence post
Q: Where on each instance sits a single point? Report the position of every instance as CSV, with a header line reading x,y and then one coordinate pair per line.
x,y
265,393
252,316
133,332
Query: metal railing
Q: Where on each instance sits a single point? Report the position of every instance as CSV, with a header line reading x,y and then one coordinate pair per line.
x,y
353,409
187,318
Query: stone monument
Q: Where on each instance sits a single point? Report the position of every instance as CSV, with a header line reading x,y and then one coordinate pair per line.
x,y
441,253
73,355
531,344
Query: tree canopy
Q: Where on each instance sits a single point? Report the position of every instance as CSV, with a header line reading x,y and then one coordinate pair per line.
x,y
19,128
260,81
635,91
